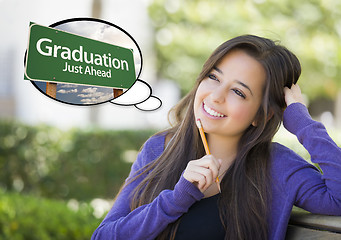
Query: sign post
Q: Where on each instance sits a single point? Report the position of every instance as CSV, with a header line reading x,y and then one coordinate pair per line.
x,y
51,89
117,92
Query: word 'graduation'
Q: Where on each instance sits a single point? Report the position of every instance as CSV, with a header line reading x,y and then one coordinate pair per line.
x,y
79,55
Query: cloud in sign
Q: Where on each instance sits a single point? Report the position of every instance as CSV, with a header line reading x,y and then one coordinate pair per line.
x,y
63,91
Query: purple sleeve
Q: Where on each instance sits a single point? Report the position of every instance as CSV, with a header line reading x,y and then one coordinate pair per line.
x,y
147,221
316,192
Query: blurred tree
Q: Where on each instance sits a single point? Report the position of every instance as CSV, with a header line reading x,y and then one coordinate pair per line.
x,y
188,31
80,164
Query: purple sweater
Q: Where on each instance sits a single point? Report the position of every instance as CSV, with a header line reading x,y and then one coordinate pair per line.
x,y
294,182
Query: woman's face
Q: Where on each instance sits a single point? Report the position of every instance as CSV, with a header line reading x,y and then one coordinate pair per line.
x,y
228,99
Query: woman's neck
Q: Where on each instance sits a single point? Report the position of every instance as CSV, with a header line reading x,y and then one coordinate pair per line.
x,y
223,148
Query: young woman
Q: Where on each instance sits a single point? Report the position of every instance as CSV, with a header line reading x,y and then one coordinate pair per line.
x,y
244,91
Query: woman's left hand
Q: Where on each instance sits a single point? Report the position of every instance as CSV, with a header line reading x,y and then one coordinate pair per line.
x,y
293,95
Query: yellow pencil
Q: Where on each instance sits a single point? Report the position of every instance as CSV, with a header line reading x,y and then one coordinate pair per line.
x,y
207,150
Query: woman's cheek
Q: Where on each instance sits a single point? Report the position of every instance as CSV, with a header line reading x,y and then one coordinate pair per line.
x,y
242,113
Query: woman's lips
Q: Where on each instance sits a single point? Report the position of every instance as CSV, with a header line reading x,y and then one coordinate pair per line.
x,y
211,112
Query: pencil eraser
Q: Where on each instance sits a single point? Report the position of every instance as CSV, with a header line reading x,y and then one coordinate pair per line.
x,y
198,123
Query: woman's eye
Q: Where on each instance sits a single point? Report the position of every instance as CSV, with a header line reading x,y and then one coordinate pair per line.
x,y
213,77
239,93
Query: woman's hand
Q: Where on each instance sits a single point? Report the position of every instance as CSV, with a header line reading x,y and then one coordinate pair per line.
x,y
202,172
293,95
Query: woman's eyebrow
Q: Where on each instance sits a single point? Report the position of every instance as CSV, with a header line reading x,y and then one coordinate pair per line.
x,y
244,85
237,81
218,70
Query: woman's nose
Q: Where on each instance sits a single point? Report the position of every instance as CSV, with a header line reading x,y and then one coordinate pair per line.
x,y
218,95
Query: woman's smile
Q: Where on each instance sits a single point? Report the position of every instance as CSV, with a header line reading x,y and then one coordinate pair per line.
x,y
211,112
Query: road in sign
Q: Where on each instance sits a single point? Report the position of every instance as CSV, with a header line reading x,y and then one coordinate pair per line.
x,y
58,56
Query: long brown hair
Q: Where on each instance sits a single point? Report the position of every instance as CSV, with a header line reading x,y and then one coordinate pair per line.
x,y
245,198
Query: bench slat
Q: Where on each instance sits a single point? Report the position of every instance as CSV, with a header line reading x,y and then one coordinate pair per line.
x,y
320,222
301,233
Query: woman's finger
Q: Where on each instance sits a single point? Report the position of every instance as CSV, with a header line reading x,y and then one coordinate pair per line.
x,y
293,95
206,172
197,179
209,162
202,172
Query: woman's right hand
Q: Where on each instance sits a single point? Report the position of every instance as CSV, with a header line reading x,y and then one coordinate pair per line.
x,y
202,172
293,95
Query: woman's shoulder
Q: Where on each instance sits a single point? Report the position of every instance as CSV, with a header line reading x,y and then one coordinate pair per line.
x,y
150,150
161,139
279,151
155,144
286,160
278,148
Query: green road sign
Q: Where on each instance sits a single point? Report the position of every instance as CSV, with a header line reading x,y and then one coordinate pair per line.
x,y
57,56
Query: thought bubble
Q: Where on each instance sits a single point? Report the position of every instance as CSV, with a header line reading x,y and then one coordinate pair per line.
x,y
150,104
103,64
139,95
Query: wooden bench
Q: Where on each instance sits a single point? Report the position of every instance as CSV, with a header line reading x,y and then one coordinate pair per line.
x,y
304,225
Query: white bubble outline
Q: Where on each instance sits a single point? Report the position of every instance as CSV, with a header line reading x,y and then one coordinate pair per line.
x,y
142,101
149,110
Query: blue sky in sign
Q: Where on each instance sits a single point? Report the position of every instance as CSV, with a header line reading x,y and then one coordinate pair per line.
x,y
80,94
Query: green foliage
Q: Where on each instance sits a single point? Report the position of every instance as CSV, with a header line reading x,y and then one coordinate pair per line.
x,y
76,164
32,218
188,31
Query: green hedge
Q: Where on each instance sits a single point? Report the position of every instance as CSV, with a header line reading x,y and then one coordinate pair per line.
x,y
80,164
28,218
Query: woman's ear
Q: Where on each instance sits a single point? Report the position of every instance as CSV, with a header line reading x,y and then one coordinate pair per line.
x,y
270,115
